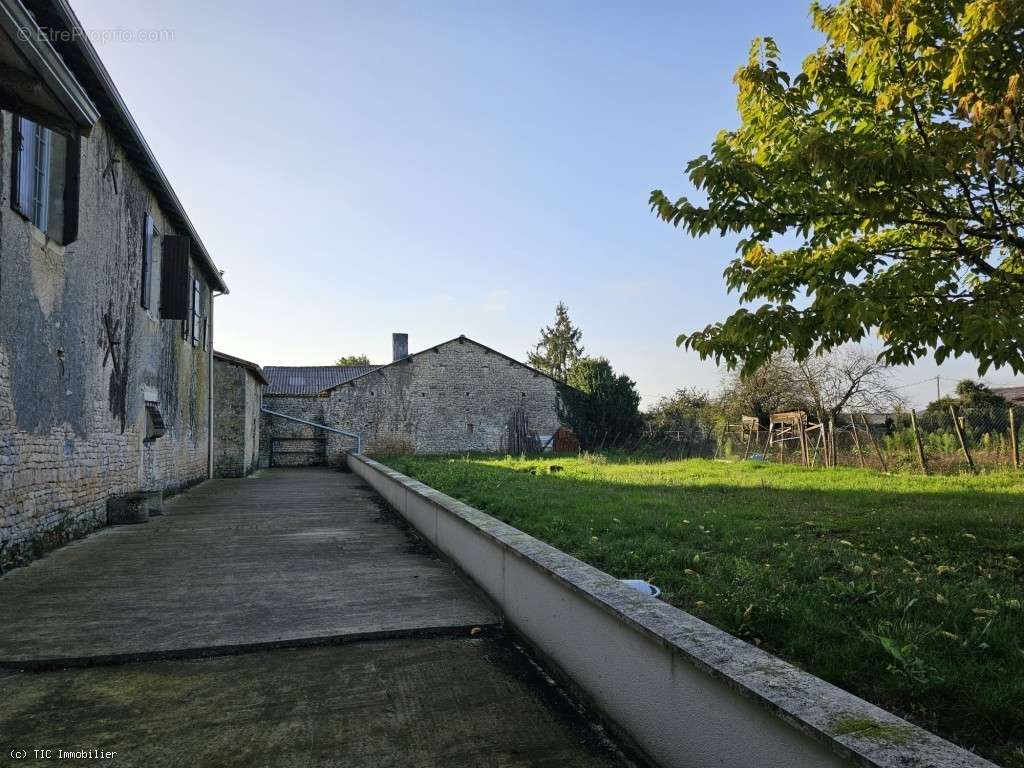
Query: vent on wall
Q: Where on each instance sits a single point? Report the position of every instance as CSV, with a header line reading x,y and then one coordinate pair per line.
x,y
155,426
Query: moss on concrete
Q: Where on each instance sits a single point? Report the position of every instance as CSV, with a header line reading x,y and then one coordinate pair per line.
x,y
418,703
874,730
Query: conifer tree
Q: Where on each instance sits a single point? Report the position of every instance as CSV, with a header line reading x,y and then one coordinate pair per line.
x,y
559,346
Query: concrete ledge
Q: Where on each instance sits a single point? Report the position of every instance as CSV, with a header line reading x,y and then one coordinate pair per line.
x,y
686,693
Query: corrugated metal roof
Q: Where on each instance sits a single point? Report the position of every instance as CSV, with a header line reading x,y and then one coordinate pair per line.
x,y
310,379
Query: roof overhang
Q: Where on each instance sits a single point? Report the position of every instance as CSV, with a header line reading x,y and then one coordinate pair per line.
x,y
34,81
64,31
247,364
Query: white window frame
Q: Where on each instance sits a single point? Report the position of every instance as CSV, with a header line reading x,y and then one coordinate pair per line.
x,y
33,162
197,310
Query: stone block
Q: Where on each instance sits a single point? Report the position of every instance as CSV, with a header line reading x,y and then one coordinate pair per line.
x,y
127,510
154,503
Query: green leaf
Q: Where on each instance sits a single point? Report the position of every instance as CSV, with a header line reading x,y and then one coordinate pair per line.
x,y
872,165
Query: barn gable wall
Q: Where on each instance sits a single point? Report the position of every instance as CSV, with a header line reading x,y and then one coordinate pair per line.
x,y
456,397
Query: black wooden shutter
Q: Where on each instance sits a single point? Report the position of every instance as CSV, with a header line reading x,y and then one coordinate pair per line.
x,y
72,169
18,194
175,287
147,261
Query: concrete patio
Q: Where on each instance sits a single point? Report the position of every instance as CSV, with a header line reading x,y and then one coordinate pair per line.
x,y
286,556
198,622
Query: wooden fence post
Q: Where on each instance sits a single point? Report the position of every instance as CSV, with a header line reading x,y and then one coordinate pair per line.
x,y
917,440
831,448
1014,448
819,430
856,439
960,436
746,447
803,442
874,442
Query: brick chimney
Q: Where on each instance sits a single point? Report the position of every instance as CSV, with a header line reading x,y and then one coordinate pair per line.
x,y
399,346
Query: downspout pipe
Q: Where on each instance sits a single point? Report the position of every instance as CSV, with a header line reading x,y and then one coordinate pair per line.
x,y
209,387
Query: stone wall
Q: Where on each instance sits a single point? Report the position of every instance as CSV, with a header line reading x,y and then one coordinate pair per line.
x,y
299,444
456,397
237,397
72,426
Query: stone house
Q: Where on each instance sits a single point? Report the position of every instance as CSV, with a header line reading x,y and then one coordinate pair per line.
x,y
237,397
456,396
106,295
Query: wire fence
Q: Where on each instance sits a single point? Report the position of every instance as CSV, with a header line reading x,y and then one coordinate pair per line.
x,y
691,441
934,441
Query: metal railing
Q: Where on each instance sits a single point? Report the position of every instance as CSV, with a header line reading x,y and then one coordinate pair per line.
x,y
297,420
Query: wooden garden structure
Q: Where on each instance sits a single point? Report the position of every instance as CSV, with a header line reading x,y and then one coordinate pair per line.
x,y
786,427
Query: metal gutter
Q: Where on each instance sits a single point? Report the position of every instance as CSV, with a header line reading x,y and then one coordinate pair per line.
x,y
359,440
209,390
21,27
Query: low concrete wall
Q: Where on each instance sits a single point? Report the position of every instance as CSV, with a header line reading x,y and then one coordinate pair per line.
x,y
687,694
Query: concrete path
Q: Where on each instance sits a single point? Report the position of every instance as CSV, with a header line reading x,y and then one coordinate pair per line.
x,y
423,703
285,557
288,557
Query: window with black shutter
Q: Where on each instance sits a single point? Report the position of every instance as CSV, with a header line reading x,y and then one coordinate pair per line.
x,y
147,262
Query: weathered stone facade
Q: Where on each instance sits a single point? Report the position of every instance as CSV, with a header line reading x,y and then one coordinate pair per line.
x,y
80,357
455,397
237,396
288,443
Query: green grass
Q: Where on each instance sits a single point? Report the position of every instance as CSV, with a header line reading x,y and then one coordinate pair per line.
x,y
905,590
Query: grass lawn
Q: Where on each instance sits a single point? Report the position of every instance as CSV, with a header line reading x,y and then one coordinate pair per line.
x,y
905,590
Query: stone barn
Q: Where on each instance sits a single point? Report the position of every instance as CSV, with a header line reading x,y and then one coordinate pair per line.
x,y
106,297
237,398
457,396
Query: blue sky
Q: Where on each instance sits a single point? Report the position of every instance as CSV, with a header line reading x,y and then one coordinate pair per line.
x,y
358,168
